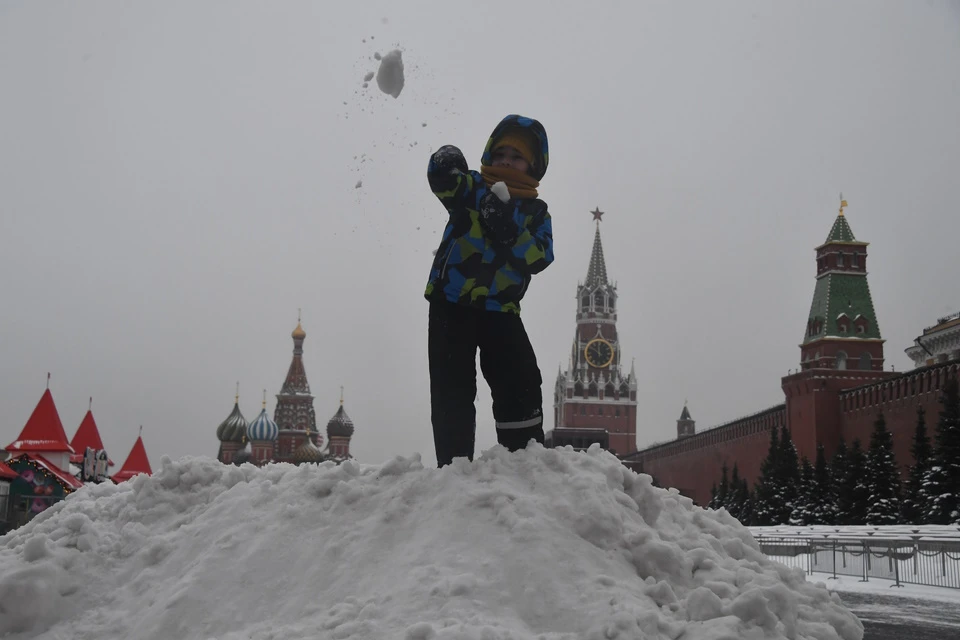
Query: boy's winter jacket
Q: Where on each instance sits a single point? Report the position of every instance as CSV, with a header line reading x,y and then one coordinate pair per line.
x,y
489,249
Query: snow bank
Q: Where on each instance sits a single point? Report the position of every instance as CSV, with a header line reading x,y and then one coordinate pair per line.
x,y
544,543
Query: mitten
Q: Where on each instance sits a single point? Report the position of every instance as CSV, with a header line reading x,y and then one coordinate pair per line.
x,y
496,218
447,159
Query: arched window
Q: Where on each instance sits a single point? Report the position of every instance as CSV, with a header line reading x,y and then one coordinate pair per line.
x,y
593,392
578,389
839,260
585,302
855,260
598,299
841,360
866,362
609,390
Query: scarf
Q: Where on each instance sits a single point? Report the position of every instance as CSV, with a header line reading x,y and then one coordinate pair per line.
x,y
520,184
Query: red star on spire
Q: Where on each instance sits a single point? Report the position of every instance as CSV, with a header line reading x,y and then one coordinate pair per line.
x,y
596,214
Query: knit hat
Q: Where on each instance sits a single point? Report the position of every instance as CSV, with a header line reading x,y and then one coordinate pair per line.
x,y
520,140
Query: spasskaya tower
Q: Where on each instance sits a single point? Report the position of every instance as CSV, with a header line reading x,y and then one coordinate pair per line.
x,y
593,400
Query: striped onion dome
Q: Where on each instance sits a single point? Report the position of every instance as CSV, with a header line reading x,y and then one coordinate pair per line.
x,y
340,424
308,452
262,429
234,428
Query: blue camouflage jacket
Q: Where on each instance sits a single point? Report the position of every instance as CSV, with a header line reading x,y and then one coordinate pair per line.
x,y
472,266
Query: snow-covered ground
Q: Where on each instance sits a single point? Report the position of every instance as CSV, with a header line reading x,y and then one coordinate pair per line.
x,y
543,543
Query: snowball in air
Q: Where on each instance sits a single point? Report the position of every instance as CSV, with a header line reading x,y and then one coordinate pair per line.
x,y
390,73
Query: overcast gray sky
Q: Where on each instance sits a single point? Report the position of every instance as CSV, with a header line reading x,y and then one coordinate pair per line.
x,y
178,178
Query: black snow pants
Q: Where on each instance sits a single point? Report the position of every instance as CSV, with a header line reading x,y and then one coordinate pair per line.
x,y
508,365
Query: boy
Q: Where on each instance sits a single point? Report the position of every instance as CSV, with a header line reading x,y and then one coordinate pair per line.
x,y
489,251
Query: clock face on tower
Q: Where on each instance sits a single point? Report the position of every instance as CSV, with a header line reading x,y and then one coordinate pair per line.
x,y
598,352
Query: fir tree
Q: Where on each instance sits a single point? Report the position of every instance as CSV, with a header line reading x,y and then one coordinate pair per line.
x,y
713,497
854,496
912,507
883,477
942,483
723,491
747,508
803,509
838,478
764,492
821,493
736,497
787,479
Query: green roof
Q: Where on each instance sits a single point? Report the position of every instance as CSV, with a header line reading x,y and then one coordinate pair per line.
x,y
842,293
840,231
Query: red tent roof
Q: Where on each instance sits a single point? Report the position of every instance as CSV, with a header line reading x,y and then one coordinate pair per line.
x,y
136,463
43,431
87,435
6,473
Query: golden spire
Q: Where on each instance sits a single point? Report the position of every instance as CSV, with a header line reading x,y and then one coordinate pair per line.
x,y
264,399
843,203
341,395
236,398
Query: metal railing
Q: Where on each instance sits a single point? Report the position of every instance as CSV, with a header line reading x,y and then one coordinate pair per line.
x,y
932,562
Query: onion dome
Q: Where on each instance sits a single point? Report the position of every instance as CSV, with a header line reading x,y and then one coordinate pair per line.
x,y
340,424
308,452
298,333
263,429
234,428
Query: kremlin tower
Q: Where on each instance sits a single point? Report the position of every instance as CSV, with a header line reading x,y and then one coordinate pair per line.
x,y
594,401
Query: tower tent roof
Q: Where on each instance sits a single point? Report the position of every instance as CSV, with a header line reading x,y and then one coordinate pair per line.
x,y
685,414
87,435
840,231
840,293
43,431
135,464
597,271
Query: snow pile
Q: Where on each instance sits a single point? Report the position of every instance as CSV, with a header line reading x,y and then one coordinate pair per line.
x,y
543,543
390,73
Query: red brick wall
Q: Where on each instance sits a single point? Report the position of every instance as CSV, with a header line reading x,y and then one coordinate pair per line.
x,y
898,399
693,465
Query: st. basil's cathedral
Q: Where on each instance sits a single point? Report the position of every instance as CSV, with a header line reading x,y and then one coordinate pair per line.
x,y
292,435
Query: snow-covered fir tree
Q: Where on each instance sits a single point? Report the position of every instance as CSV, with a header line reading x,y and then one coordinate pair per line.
x,y
883,477
737,492
765,489
804,507
838,478
853,496
913,505
942,484
821,493
788,478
